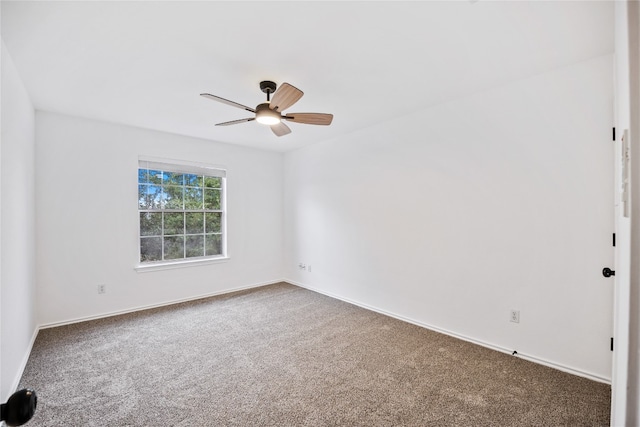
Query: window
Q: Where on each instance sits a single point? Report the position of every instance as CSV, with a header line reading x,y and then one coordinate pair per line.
x,y
181,209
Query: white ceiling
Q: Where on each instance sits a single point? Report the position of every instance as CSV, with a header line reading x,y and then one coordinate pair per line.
x,y
145,63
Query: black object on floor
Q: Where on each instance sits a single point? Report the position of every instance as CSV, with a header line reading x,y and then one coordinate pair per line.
x,y
19,408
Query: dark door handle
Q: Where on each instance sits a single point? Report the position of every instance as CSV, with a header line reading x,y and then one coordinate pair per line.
x,y
607,272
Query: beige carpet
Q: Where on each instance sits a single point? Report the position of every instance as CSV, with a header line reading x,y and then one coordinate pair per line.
x,y
285,356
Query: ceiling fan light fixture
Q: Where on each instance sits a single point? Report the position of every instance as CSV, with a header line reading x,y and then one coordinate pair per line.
x,y
266,115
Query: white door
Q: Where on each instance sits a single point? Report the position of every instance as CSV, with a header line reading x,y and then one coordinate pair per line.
x,y
621,281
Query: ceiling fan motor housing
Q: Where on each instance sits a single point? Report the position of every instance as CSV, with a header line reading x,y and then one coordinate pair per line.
x,y
268,87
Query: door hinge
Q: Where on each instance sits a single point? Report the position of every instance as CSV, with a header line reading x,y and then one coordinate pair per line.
x,y
614,134
614,240
611,343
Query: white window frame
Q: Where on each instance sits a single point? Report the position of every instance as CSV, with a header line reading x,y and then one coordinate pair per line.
x,y
180,166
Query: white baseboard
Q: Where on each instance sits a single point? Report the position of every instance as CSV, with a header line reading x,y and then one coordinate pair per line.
x,y
23,364
501,349
150,306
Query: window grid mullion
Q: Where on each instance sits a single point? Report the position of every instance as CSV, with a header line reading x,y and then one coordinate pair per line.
x,y
162,236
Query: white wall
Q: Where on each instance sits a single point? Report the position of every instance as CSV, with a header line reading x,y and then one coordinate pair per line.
x,y
17,227
87,219
454,215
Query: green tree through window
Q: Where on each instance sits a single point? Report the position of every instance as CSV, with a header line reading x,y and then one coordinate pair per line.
x,y
181,211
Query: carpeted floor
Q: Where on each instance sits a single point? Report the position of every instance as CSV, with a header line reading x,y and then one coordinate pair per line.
x,y
285,356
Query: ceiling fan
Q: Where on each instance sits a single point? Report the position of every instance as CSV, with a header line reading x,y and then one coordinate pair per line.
x,y
270,112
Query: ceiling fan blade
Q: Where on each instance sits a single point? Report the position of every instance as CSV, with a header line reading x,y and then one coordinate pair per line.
x,y
310,118
226,101
235,122
285,97
280,129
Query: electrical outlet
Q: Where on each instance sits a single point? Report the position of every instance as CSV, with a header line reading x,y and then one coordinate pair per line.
x,y
102,289
309,268
515,316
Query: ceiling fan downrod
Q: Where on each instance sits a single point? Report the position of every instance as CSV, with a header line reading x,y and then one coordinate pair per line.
x,y
268,87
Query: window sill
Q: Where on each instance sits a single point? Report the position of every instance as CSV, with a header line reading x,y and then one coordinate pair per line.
x,y
145,268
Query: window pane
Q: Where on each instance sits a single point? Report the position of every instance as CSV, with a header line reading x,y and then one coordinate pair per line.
x,y
143,176
213,221
150,223
155,177
192,198
211,199
213,244
150,249
149,196
173,247
173,178
193,180
154,192
211,182
195,246
173,197
143,202
173,223
194,222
